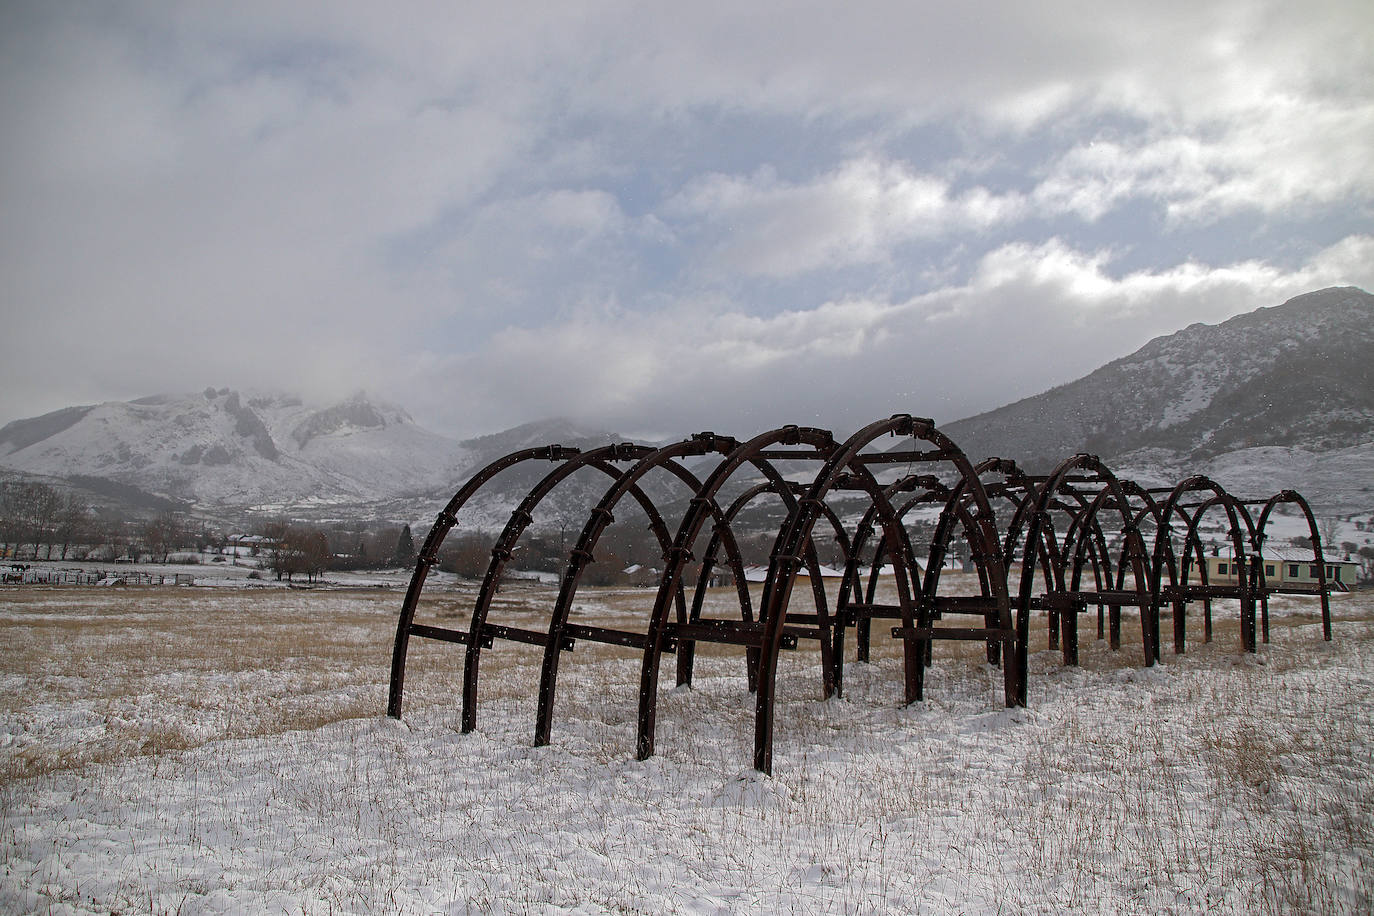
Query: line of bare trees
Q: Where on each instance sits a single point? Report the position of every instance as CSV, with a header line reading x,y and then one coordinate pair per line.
x,y
295,550
34,517
41,522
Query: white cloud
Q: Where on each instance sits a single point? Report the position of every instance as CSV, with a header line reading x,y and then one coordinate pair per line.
x,y
1031,316
1258,163
855,214
347,194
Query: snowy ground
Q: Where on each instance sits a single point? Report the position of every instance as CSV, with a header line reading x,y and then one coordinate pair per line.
x,y
221,750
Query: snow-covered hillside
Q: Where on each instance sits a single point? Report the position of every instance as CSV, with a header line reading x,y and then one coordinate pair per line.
x,y
225,448
1299,376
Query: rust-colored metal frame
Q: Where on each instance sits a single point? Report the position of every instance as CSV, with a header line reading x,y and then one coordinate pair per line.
x,y
1055,533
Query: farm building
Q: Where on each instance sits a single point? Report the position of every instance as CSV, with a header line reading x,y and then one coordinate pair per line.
x,y
1292,567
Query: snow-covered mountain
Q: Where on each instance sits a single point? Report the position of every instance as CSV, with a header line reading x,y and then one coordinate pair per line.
x,y
1278,397
223,448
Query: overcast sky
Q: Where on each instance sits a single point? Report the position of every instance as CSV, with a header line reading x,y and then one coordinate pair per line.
x,y
658,218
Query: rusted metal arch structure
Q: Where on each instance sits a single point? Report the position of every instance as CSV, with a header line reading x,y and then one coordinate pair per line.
x,y
1291,497
1067,477
824,621
858,600
1252,586
965,514
429,554
481,633
1180,591
562,634
1078,491
1182,586
845,467
1085,544
848,467
1053,554
772,630
1088,542
674,625
958,514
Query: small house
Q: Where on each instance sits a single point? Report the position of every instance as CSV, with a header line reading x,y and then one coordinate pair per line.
x,y
1289,567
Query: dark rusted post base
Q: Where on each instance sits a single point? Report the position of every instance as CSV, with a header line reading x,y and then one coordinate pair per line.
x,y
1069,630
1180,625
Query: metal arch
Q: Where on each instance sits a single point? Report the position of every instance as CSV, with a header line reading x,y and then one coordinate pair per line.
x,y
1096,543
756,451
429,553
926,587
720,531
1061,607
861,613
480,632
1086,533
793,536
787,492
1188,591
598,520
958,511
1236,513
685,652
991,577
1084,542
1014,528
966,510
1044,493
1318,555
1053,555
1176,567
846,460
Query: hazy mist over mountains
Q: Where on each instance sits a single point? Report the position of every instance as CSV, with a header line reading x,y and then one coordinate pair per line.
x,y
1278,397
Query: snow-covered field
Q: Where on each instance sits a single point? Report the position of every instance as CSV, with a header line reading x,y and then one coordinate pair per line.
x,y
222,750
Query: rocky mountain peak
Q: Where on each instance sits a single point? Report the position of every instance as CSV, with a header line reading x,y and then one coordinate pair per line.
x,y
1297,374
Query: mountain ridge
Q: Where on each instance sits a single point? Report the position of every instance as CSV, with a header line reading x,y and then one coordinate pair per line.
x,y
1288,387
1293,375
226,448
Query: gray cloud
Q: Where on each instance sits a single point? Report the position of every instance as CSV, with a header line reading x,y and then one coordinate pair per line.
x,y
650,217
1030,317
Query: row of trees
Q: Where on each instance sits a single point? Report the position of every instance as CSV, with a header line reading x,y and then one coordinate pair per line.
x,y
37,517
294,549
38,521
41,522
625,554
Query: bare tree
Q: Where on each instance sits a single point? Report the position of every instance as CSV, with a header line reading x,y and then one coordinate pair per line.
x,y
163,534
1366,555
467,555
1330,530
314,552
72,521
281,557
298,550
36,506
9,520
